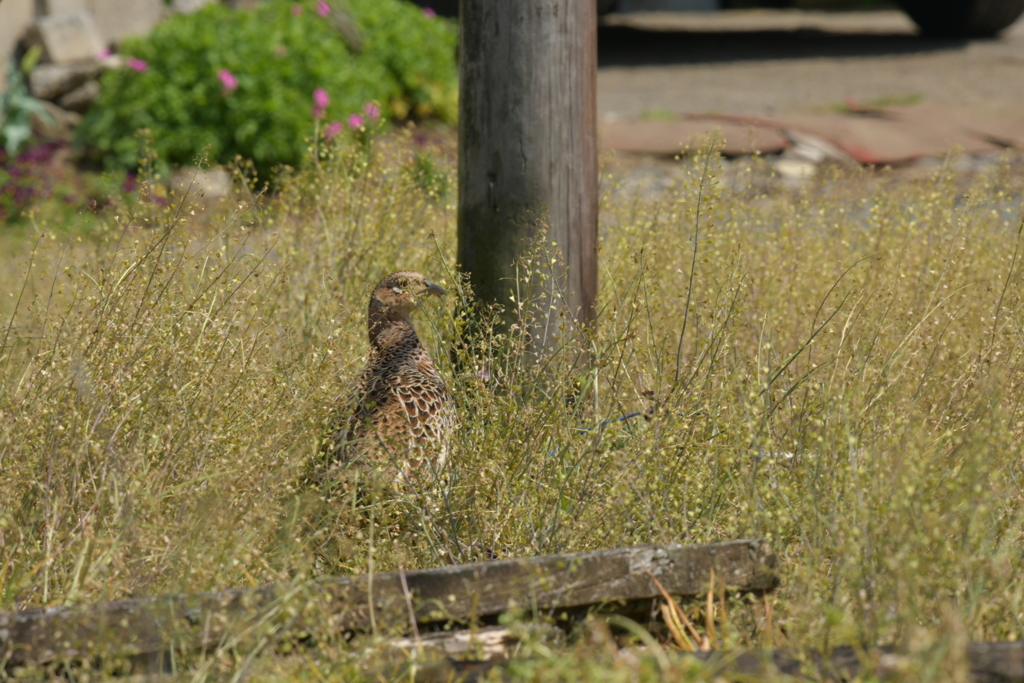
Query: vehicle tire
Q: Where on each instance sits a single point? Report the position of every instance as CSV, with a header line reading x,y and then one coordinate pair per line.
x,y
963,18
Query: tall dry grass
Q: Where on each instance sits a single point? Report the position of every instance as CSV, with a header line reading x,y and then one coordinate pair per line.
x,y
836,369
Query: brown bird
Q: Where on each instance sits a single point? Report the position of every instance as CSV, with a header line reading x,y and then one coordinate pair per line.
x,y
402,413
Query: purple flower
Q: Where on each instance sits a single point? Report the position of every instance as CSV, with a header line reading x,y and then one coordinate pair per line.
x,y
321,100
372,111
332,129
104,53
136,64
429,12
355,121
322,8
228,80
296,9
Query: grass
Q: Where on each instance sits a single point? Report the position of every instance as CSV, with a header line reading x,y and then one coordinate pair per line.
x,y
847,385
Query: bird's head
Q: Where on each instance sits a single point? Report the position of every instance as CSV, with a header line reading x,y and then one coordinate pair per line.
x,y
397,295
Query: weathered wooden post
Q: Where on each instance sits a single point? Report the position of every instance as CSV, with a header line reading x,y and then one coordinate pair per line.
x,y
528,149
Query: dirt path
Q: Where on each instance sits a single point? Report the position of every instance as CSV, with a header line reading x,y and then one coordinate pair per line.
x,y
769,62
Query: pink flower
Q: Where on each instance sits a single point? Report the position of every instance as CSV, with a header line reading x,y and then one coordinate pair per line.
x,y
228,80
322,8
104,53
296,9
372,110
321,100
332,129
429,12
355,121
136,64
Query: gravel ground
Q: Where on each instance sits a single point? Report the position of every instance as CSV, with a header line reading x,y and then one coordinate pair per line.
x,y
772,62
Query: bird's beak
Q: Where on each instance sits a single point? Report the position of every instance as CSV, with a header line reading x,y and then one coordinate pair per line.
x,y
434,289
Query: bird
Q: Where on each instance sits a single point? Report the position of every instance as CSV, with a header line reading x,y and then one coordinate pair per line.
x,y
401,417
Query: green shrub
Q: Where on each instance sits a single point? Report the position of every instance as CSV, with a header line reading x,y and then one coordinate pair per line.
x,y
277,55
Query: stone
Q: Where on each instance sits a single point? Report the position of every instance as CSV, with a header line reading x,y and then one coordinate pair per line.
x,y
65,6
816,149
120,19
16,17
208,186
796,169
69,37
63,121
189,6
50,81
81,98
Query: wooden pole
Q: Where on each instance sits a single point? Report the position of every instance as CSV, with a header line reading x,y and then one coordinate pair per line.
x,y
528,152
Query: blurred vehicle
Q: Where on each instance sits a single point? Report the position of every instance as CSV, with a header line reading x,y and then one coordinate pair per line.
x,y
963,17
953,18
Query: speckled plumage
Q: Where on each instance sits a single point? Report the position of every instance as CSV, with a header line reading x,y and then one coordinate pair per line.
x,y
402,413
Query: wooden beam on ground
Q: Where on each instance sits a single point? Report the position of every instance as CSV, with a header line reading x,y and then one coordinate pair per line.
x,y
443,657
988,663
551,584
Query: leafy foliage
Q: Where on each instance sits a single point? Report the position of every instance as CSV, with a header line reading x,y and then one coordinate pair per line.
x,y
276,57
18,107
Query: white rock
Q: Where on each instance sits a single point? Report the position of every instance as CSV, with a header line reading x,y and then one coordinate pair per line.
x,y
189,6
16,17
70,37
50,81
119,19
63,121
209,185
795,169
81,98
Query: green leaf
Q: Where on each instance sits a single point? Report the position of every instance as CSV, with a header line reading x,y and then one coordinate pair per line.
x,y
14,135
31,58
17,106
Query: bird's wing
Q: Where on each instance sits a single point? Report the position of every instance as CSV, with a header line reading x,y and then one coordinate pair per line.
x,y
362,412
375,393
423,398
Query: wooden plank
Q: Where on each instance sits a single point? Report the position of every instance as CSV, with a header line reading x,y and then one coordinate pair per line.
x,y
689,135
549,584
996,662
988,663
443,658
